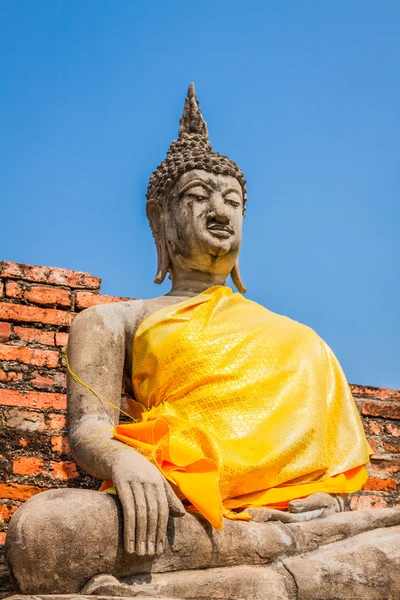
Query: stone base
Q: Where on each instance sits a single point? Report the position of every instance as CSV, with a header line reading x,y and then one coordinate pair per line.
x,y
363,567
349,556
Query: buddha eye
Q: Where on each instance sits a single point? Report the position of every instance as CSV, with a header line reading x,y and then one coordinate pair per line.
x,y
198,197
198,193
232,202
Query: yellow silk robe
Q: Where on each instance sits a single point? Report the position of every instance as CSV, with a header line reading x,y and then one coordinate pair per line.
x,y
243,407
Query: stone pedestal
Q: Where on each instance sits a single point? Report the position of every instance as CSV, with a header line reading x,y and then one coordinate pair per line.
x,y
348,556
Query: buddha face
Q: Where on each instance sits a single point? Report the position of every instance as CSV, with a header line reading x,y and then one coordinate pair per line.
x,y
203,223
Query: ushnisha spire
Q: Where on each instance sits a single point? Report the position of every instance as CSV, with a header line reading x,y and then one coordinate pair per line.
x,y
192,120
191,150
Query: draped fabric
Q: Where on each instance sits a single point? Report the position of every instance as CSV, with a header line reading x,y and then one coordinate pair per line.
x,y
242,407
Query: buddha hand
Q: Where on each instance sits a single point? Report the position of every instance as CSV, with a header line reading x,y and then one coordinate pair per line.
x,y
315,506
147,501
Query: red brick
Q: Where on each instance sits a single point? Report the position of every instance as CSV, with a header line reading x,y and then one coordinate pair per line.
x,y
10,376
29,356
19,491
23,442
87,299
39,294
365,502
14,290
35,336
33,399
59,443
54,421
52,275
362,391
385,466
61,339
3,537
24,420
376,484
27,465
41,381
381,409
391,447
393,429
31,314
6,513
374,428
64,470
57,378
5,331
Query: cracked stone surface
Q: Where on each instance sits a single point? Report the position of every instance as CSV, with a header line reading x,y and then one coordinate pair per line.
x,y
348,556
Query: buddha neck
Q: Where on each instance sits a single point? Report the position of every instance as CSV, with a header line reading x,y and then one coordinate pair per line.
x,y
190,283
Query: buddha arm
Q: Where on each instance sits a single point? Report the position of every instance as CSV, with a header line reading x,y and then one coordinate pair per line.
x,y
96,353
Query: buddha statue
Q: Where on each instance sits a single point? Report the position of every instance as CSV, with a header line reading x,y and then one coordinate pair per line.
x,y
243,433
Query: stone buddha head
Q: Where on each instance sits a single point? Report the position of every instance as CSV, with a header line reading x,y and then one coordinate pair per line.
x,y
196,203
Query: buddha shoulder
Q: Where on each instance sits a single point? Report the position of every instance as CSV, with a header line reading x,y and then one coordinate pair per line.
x,y
118,317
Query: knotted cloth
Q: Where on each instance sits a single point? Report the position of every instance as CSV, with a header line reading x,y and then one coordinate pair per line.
x,y
244,407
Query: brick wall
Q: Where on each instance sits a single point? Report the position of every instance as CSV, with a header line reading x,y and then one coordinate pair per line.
x,y
37,306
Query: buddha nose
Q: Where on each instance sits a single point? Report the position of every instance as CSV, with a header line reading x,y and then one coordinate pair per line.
x,y
219,212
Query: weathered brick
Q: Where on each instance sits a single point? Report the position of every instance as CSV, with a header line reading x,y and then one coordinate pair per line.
x,y
5,331
31,314
393,429
40,380
33,399
54,421
385,468
29,356
391,447
59,443
87,299
7,512
39,294
362,391
381,409
61,339
3,537
377,484
24,420
373,428
19,491
10,376
1,288
367,501
14,290
27,465
35,336
63,470
52,275
55,379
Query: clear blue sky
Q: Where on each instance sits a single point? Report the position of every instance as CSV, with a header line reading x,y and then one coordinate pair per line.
x,y
304,95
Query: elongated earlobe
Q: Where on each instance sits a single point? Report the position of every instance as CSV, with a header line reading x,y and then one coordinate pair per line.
x,y
157,227
237,279
162,259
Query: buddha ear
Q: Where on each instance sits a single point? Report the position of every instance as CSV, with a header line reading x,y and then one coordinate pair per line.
x,y
237,279
156,220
